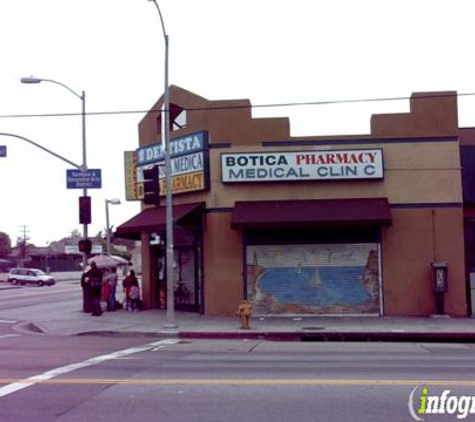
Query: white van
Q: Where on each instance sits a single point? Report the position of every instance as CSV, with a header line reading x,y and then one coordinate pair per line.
x,y
29,276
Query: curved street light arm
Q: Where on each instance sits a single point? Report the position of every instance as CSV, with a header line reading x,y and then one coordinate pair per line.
x,y
80,167
161,20
81,97
37,80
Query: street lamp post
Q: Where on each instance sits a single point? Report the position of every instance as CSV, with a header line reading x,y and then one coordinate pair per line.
x,y
170,315
82,97
114,201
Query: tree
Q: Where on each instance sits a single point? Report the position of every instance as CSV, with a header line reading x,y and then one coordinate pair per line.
x,y
5,245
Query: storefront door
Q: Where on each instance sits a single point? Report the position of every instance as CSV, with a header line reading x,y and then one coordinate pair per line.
x,y
187,278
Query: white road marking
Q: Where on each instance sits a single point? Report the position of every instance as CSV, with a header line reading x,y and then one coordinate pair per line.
x,y
7,321
8,335
28,382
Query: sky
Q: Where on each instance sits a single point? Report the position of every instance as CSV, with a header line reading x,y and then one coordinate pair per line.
x,y
268,51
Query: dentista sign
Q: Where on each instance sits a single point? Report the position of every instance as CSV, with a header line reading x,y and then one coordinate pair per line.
x,y
302,165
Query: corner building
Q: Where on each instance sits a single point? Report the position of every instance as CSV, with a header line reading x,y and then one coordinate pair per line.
x,y
334,225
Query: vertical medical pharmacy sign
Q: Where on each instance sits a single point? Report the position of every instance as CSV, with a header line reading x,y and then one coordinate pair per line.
x,y
189,165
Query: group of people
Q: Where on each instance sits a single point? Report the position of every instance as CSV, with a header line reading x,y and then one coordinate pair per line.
x,y
101,285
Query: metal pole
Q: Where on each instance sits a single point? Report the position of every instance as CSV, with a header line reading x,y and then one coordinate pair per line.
x,y
170,315
84,163
108,231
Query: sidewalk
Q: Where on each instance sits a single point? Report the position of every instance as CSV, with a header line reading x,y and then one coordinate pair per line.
x,y
69,320
153,323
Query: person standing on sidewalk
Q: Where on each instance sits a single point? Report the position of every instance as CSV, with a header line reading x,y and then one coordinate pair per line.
x,y
94,275
127,285
86,293
135,296
111,278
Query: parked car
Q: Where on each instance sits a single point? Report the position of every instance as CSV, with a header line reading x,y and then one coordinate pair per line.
x,y
30,276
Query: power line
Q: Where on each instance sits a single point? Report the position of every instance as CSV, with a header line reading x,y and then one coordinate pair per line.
x,y
237,107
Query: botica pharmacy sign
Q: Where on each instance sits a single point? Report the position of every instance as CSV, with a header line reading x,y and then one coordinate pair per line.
x,y
302,165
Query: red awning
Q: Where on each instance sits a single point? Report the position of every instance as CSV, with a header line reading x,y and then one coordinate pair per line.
x,y
317,212
154,219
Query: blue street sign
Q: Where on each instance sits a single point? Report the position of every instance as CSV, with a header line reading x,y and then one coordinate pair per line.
x,y
3,150
89,179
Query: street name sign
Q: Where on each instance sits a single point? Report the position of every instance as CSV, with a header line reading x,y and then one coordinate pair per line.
x,y
89,179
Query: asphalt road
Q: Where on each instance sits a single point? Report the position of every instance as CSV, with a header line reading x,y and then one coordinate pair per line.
x,y
100,378
120,379
14,297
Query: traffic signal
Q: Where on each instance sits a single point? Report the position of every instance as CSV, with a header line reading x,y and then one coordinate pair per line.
x,y
85,245
84,210
151,186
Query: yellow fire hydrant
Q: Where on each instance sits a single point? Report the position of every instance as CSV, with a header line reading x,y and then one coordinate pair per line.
x,y
245,312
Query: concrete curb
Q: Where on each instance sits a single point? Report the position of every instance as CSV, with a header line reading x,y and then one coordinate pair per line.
x,y
290,336
122,334
336,336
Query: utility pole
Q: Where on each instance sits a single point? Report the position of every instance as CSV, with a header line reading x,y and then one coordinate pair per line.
x,y
22,241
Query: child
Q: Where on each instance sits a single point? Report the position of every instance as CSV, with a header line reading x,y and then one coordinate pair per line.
x,y
127,285
134,295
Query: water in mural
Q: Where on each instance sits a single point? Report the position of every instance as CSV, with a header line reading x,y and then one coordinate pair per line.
x,y
309,279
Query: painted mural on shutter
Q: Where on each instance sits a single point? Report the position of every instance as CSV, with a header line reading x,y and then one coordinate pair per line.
x,y
314,279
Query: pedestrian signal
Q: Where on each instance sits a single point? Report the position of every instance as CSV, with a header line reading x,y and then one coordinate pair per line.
x,y
85,246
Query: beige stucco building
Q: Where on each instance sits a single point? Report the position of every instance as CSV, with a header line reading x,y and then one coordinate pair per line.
x,y
305,225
